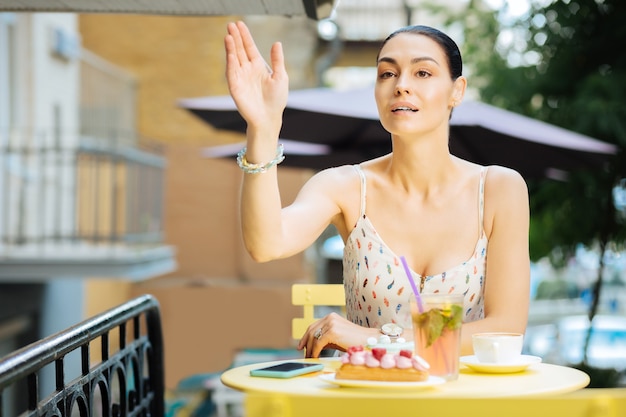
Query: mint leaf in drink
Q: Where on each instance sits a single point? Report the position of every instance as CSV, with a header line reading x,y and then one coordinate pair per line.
x,y
456,318
434,321
435,325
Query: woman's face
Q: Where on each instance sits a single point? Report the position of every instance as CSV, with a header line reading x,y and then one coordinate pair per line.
x,y
414,90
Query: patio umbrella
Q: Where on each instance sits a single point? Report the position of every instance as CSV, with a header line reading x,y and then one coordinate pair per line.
x,y
347,121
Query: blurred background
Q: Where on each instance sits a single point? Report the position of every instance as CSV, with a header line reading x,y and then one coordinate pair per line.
x,y
106,191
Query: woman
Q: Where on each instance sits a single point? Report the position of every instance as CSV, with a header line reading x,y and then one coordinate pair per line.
x,y
442,213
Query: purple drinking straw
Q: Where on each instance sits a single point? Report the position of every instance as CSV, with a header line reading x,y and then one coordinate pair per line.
x,y
415,290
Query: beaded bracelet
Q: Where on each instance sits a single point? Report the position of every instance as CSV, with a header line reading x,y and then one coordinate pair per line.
x,y
249,168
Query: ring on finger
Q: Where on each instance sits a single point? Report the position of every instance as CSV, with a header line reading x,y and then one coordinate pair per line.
x,y
318,334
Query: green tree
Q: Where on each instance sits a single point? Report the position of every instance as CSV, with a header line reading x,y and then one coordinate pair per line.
x,y
566,67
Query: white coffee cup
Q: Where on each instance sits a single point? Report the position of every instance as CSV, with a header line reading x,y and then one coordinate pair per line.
x,y
498,347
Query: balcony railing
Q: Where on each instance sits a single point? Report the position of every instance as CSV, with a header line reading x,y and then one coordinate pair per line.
x,y
89,201
119,195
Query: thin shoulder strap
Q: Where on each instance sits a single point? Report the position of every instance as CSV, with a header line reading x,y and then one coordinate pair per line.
x,y
363,189
481,197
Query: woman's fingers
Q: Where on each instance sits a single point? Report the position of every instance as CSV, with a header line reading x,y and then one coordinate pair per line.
x,y
312,337
246,45
240,48
319,336
240,43
277,59
315,344
244,63
231,42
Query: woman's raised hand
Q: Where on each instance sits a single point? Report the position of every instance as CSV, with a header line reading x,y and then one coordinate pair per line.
x,y
260,91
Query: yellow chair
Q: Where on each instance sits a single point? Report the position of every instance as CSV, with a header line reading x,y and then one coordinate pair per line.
x,y
310,296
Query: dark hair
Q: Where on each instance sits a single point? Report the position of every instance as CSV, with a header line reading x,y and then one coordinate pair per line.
x,y
455,62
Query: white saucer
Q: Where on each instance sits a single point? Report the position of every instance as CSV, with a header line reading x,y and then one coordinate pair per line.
x,y
499,368
430,382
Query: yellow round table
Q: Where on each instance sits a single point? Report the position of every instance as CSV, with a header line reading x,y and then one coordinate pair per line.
x,y
537,379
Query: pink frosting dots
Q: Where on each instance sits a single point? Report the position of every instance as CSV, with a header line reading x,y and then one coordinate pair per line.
x,y
379,357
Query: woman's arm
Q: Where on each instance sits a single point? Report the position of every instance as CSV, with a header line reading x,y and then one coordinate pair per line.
x,y
507,284
281,233
260,93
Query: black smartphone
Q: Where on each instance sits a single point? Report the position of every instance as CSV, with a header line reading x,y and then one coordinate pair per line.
x,y
287,369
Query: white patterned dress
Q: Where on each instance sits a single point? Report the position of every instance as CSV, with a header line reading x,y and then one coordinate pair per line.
x,y
377,288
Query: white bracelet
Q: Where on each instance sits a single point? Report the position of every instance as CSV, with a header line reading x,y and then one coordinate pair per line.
x,y
249,168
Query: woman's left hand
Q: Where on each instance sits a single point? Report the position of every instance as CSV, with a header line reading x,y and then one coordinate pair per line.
x,y
334,332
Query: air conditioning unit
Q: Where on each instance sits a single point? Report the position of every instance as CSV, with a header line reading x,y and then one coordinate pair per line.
x,y
65,45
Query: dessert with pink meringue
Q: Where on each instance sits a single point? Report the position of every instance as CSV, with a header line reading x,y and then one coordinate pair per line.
x,y
377,364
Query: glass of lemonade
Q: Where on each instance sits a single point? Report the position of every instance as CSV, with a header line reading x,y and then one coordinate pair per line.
x,y
437,332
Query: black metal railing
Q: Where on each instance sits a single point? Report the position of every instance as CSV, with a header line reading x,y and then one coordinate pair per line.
x,y
56,190
126,380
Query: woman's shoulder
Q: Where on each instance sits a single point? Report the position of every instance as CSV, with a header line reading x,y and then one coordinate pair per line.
x,y
341,186
338,173
502,177
336,178
505,188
